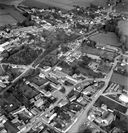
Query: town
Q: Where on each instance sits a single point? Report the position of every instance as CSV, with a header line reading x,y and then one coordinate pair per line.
x,y
61,73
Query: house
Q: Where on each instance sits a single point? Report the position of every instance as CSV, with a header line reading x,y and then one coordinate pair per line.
x,y
3,119
79,99
93,56
39,102
123,98
93,65
73,98
103,116
62,103
52,117
109,117
2,71
71,80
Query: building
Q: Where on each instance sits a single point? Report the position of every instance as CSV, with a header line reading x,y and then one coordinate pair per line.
x,y
2,71
124,98
63,103
107,47
71,80
109,117
3,119
94,56
93,65
102,116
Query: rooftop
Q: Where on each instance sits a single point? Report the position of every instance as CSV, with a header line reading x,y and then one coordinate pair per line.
x,y
124,98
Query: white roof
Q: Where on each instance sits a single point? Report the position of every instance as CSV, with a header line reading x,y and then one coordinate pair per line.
x,y
1,49
124,98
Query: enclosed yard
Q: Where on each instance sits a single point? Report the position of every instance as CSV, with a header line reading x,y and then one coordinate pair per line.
x,y
111,104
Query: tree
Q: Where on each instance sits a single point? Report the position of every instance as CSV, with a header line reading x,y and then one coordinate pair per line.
x,y
74,70
110,25
64,48
85,61
63,90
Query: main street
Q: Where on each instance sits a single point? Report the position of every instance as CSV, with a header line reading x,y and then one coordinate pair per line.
x,y
83,116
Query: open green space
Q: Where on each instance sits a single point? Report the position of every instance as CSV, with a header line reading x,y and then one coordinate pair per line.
x,y
98,52
109,38
65,4
7,19
45,4
120,79
111,104
9,15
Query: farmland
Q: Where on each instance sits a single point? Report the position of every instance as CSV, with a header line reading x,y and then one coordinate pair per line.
x,y
6,19
106,38
9,15
66,4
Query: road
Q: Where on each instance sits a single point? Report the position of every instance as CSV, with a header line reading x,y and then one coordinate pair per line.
x,y
83,116
82,37
16,79
40,58
111,93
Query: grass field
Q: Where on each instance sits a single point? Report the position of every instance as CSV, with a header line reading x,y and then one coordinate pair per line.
x,y
120,79
12,12
111,104
46,3
7,19
34,3
9,15
87,2
66,4
106,38
123,7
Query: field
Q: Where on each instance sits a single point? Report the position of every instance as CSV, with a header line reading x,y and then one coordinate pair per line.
x,y
106,38
123,7
111,104
7,19
15,13
119,79
65,4
87,2
9,15
45,4
34,3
